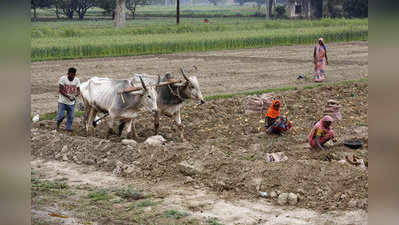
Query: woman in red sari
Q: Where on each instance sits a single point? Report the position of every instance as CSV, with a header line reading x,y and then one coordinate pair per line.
x,y
320,60
321,133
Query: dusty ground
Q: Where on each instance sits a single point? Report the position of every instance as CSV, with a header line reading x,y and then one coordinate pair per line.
x,y
228,71
61,195
225,153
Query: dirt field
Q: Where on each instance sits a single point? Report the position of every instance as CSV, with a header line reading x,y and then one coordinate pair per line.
x,y
220,71
214,177
224,157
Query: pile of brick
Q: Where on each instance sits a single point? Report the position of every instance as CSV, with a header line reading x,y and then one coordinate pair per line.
x,y
258,104
333,109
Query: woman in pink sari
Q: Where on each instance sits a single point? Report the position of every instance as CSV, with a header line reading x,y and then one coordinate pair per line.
x,y
320,60
321,133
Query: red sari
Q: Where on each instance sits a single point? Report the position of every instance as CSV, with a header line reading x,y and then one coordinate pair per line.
x,y
320,62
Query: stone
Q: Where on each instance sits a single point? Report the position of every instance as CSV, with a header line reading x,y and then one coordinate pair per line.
x,y
129,142
273,194
362,204
64,148
352,204
155,140
189,169
65,157
256,147
88,161
130,170
188,180
292,199
282,199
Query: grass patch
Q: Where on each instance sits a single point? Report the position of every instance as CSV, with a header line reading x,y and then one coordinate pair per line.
x,y
130,193
249,157
99,195
53,115
43,185
312,86
213,221
259,92
141,204
175,214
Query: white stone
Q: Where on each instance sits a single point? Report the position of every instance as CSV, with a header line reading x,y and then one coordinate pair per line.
x,y
282,199
292,199
155,140
65,157
64,148
273,194
129,142
130,169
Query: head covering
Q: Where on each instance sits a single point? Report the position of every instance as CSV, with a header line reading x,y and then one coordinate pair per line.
x,y
322,40
272,112
320,125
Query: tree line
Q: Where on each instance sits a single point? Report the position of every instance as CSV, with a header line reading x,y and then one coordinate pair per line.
x,y
273,8
313,8
70,8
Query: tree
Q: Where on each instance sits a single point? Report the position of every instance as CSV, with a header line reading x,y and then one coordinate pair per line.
x,y
82,6
356,8
240,2
35,4
67,7
269,8
120,13
316,8
108,6
131,5
280,11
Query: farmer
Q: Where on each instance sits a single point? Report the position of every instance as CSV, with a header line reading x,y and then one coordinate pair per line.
x,y
321,133
320,60
275,124
68,91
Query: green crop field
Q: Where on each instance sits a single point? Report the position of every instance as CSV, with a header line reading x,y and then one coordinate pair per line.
x,y
90,38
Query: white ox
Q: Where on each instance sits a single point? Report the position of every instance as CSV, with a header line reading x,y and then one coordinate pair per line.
x,y
121,99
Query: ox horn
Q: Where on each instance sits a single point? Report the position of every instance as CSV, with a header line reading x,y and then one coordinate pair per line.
x,y
184,74
142,83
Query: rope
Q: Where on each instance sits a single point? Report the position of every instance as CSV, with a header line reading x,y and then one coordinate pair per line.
x,y
176,95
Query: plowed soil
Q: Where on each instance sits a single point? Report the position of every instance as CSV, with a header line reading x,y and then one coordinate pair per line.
x,y
225,149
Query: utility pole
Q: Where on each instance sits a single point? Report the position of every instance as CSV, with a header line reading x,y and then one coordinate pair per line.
x,y
177,11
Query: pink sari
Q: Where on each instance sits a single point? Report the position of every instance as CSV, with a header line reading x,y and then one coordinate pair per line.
x,y
320,63
328,132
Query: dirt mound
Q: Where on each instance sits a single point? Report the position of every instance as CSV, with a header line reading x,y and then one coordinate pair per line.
x,y
226,149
